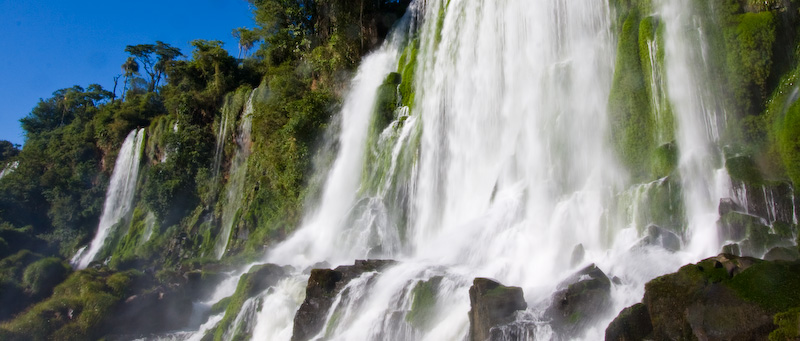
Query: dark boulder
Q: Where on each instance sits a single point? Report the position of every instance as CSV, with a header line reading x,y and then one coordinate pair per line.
x,y
662,237
492,305
633,323
323,286
720,298
782,253
580,300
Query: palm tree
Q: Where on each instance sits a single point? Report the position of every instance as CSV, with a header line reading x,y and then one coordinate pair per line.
x,y
129,68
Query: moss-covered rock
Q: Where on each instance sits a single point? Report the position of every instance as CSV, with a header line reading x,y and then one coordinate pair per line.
x,y
492,305
628,104
633,323
255,281
423,303
580,301
722,298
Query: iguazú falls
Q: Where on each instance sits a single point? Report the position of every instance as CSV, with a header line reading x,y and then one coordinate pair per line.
x,y
420,170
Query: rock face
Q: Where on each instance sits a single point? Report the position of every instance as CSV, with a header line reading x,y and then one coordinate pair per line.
x,y
493,305
720,298
323,286
633,323
662,237
580,300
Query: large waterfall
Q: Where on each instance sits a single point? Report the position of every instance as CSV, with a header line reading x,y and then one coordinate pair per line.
x,y
500,168
119,197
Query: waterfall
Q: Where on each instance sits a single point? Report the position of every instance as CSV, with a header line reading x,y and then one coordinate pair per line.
x,y
236,178
501,167
119,197
9,168
697,115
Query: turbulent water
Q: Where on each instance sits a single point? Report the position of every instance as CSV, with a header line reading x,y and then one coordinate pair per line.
x,y
119,197
500,169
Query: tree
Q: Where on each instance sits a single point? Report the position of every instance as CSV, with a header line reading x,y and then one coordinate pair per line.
x,y
247,39
129,68
154,59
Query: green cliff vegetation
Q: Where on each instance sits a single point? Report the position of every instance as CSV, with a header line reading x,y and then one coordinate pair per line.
x,y
299,57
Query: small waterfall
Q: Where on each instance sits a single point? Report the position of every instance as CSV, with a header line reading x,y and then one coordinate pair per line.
x,y
236,179
696,111
119,197
9,167
319,238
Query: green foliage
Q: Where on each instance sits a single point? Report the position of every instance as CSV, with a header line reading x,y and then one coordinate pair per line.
x,y
77,309
788,323
43,275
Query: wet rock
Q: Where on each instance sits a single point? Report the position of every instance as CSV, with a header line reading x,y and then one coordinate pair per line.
x,y
323,286
727,205
492,305
633,323
581,300
662,237
782,253
577,255
732,249
720,298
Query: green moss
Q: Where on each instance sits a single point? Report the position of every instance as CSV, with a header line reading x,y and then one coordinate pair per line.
x,y
775,286
408,68
221,306
749,38
632,125
76,310
423,304
744,168
664,160
43,275
788,323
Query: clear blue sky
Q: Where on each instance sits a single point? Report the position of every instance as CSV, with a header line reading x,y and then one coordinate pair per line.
x,y
46,45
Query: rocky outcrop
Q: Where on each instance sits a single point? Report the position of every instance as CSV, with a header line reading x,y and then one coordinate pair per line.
x,y
662,237
323,286
492,305
580,300
720,298
633,323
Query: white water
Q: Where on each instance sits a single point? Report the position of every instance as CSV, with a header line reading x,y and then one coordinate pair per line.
x,y
503,167
696,115
9,168
236,178
119,197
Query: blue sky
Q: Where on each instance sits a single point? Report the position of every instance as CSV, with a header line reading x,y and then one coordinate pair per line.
x,y
46,45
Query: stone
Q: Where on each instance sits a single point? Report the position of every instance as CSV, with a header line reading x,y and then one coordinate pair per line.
x,y
662,237
782,253
492,305
633,323
580,300
577,255
323,287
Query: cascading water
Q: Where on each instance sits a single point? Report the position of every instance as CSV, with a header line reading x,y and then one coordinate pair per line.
x,y
8,168
236,180
501,169
119,197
